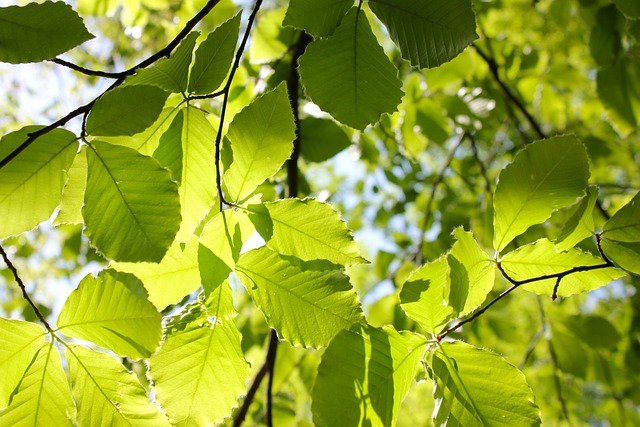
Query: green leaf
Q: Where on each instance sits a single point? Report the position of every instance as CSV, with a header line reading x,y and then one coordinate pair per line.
x,y
169,151
423,296
31,183
317,17
595,331
631,8
349,76
225,234
200,371
113,311
270,40
36,32
545,176
106,393
170,74
624,225
623,254
126,110
168,282
321,139
214,57
43,398
476,387
367,387
428,33
541,259
19,342
306,229
131,206
619,91
198,184
73,191
261,138
580,225
307,308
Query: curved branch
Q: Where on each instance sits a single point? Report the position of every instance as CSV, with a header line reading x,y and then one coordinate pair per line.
x,y
86,71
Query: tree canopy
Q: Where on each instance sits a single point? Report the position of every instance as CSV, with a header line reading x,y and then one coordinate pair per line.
x,y
320,212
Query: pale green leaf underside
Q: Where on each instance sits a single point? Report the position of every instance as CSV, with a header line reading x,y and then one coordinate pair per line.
x,y
19,342
306,229
624,225
200,370
73,191
261,138
364,376
112,310
317,17
131,206
623,254
349,76
580,225
31,184
213,57
106,393
43,398
36,32
545,176
307,308
540,259
428,33
475,387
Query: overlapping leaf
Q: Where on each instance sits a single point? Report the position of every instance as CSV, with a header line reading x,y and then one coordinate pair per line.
x,y
428,33
321,139
624,225
317,17
31,183
349,76
619,92
475,387
545,176
39,31
368,386
106,393
131,206
43,398
623,254
113,311
261,138
306,229
580,225
73,191
225,234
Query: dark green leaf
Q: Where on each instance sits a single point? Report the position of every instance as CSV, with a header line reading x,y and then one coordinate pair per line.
x,y
321,139
317,17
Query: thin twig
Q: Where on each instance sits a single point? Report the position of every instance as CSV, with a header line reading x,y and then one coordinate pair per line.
x,y
242,413
270,362
86,71
26,296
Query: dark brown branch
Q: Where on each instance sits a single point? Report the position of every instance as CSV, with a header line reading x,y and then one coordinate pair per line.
x,y
86,71
242,413
17,278
270,363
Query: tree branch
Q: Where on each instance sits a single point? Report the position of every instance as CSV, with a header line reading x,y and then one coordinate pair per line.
x,y
17,278
86,71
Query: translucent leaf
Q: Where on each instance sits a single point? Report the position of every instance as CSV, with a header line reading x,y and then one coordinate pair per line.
x,y
317,17
428,33
270,40
306,307
476,387
540,259
367,386
126,110
19,342
225,234
31,183
580,225
624,225
214,57
624,254
106,393
321,139
113,311
198,184
169,151
36,32
170,74
545,176
200,370
131,206
423,296
168,282
73,191
619,91
349,76
261,138
306,229
43,398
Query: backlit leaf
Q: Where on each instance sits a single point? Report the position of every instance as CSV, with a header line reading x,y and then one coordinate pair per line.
x,y
624,225
580,225
619,91
321,139
73,191
317,17
624,254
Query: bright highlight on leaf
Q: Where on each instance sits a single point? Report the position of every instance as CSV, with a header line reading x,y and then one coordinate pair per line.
x,y
113,311
349,76
544,177
307,308
31,184
119,219
428,33
476,387
39,31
